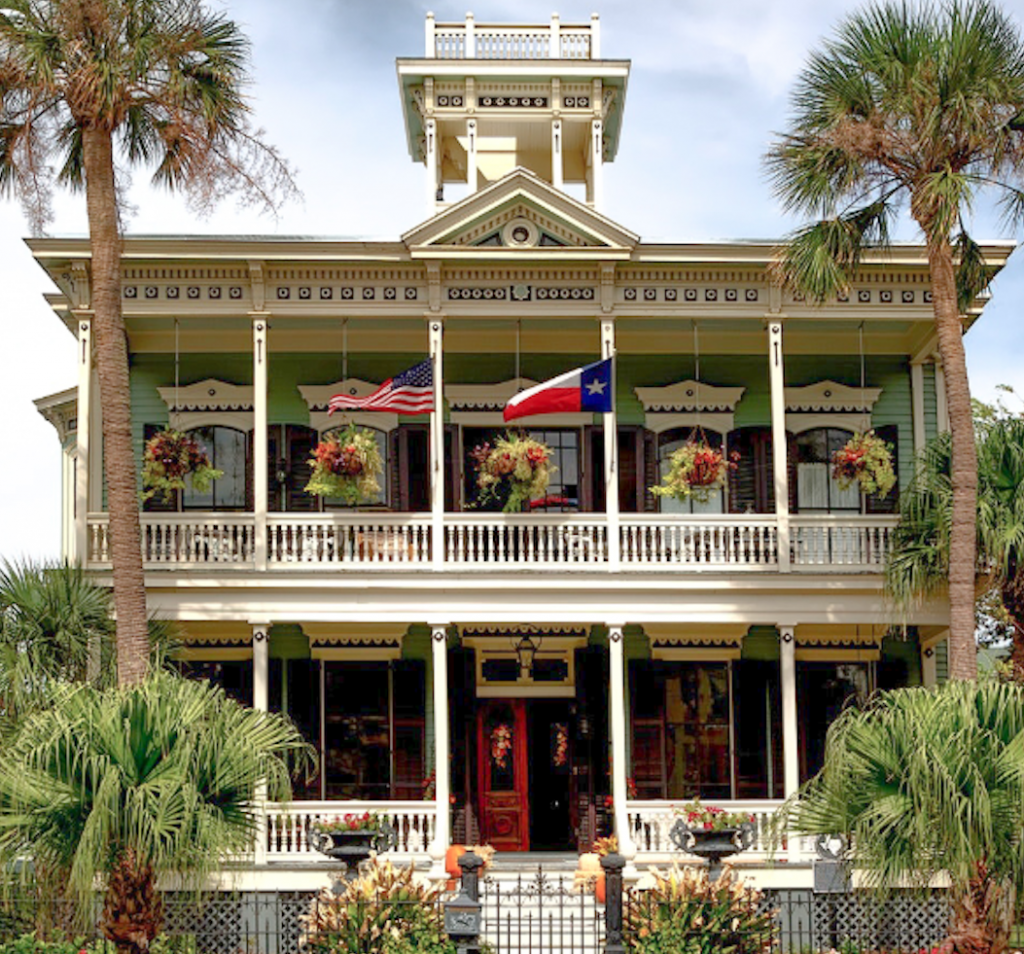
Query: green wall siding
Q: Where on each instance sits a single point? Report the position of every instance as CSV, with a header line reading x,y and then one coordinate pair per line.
x,y
931,411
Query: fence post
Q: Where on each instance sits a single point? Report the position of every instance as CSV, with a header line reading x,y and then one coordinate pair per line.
x,y
613,903
462,917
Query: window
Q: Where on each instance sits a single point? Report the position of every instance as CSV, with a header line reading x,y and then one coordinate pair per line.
x,y
669,442
226,448
823,690
233,676
381,498
816,489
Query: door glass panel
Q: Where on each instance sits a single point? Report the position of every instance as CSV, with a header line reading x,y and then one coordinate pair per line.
x,y
500,741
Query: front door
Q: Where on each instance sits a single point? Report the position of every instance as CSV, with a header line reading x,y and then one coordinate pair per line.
x,y
502,775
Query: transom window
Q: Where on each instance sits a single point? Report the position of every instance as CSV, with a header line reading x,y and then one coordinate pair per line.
x,y
668,443
816,489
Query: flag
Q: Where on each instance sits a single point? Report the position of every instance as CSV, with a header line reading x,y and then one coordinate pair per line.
x,y
584,389
411,392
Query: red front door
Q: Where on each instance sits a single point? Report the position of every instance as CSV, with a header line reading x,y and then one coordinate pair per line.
x,y
502,775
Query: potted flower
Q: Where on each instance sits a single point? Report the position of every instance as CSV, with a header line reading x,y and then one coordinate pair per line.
x,y
865,459
169,458
351,838
346,464
696,470
711,832
516,469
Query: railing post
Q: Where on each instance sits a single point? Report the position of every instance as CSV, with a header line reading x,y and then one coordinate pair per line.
x,y
470,37
554,51
429,51
613,865
595,37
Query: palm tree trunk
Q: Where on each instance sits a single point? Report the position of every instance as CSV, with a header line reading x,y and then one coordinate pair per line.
x,y
115,401
982,915
133,910
963,657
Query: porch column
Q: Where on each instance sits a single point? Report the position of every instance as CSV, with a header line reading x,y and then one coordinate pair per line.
x,y
780,468
929,671
597,161
917,405
261,702
436,329
617,716
471,175
442,761
557,169
430,159
790,732
260,488
611,453
81,548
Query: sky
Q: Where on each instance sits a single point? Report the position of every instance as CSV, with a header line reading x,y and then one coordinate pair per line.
x,y
708,90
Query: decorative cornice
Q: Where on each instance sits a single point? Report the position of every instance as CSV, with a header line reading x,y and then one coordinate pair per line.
x,y
690,395
831,396
318,396
708,639
350,639
503,632
484,397
209,395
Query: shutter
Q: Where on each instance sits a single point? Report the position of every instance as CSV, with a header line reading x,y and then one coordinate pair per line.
x,y
452,467
412,468
791,464
743,480
394,471
651,476
250,496
631,469
592,484
890,503
301,443
156,503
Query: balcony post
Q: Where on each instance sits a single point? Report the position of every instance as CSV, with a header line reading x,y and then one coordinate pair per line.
x,y
617,716
611,454
790,729
430,159
260,467
260,702
554,50
557,168
596,196
81,550
595,36
470,37
437,541
442,776
780,446
429,50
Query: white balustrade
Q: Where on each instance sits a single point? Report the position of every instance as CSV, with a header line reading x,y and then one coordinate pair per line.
x,y
174,541
657,542
485,541
651,821
369,541
841,543
500,42
288,826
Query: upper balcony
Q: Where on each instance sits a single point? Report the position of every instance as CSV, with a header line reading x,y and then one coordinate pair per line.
x,y
470,40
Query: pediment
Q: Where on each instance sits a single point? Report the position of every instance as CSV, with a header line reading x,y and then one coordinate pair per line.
x,y
690,396
520,214
831,396
208,395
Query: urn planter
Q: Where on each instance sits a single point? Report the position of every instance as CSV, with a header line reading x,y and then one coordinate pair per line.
x,y
713,846
353,846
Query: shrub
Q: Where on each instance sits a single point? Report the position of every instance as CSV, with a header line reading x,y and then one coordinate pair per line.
x,y
686,913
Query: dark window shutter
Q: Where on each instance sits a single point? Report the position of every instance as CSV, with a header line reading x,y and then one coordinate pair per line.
x,y
651,475
452,466
791,462
301,442
631,469
592,484
394,474
412,467
156,503
890,433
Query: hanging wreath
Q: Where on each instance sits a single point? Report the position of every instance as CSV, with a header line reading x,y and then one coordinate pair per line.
x,y
696,470
501,744
170,457
346,465
516,465
865,459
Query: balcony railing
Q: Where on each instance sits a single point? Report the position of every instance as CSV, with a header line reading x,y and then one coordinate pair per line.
x,y
487,41
489,543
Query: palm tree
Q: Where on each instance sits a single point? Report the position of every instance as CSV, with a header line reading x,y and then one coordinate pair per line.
x,y
918,564
124,786
919,104
160,81
926,783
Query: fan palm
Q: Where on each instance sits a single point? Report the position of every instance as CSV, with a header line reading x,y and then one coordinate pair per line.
x,y
918,564
124,786
160,81
929,783
919,104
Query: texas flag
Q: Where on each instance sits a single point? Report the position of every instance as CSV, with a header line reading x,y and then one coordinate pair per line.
x,y
584,389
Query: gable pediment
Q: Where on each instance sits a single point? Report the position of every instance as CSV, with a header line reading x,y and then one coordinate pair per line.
x,y
520,215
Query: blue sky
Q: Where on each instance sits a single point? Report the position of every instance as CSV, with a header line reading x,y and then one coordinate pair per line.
x,y
709,86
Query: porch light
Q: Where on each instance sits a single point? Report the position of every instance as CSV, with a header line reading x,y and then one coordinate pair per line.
x,y
526,650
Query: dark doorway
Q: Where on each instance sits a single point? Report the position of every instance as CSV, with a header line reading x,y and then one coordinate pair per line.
x,y
550,745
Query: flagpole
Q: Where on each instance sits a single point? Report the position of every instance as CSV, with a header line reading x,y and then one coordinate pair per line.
x,y
437,445
611,452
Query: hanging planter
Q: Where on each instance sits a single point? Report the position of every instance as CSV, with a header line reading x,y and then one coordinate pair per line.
x,y
696,470
515,465
346,465
866,460
170,457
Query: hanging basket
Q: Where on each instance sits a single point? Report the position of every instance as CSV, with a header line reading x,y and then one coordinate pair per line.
x,y
696,470
346,465
866,460
516,466
169,459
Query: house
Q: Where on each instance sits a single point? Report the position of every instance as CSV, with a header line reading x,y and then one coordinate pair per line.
x,y
605,655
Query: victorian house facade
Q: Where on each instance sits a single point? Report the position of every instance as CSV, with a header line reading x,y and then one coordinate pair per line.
x,y
527,679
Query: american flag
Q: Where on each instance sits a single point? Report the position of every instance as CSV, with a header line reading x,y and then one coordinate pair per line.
x,y
411,392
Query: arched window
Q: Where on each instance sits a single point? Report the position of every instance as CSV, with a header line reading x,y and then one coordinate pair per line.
x,y
669,442
816,490
381,499
226,447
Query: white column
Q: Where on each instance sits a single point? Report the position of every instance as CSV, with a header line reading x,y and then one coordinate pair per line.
x,y
929,670
429,49
595,37
471,174
597,164
557,166
917,405
81,550
617,717
436,334
261,702
611,453
554,51
941,410
780,464
260,487
470,37
442,760
790,732
430,158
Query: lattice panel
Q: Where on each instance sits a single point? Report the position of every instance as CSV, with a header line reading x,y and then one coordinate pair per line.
x,y
215,923
904,922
